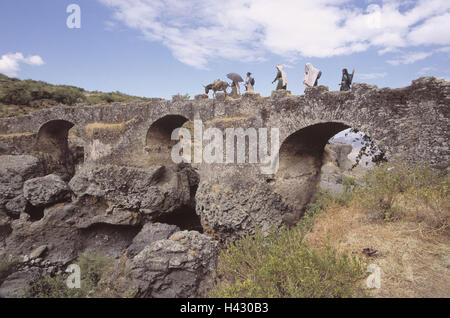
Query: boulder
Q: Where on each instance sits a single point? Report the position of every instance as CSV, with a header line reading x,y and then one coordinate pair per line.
x,y
5,227
54,230
333,188
234,201
15,284
14,171
153,191
179,267
337,153
16,206
151,232
37,253
45,191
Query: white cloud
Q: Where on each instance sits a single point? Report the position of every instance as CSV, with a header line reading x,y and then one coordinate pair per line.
x,y
432,31
426,70
10,63
197,31
410,58
370,76
444,50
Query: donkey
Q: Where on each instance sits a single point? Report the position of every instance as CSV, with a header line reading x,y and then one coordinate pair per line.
x,y
216,86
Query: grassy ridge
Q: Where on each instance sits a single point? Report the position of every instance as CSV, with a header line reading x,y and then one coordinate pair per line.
x,y
19,97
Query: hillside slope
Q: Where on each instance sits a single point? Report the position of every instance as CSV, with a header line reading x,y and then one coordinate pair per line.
x,y
20,97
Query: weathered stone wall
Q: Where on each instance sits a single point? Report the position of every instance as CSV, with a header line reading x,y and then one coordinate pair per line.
x,y
409,124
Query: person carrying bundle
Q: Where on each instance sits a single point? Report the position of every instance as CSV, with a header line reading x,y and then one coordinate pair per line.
x,y
311,76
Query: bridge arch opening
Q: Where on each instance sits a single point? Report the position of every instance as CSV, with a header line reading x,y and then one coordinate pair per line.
x,y
59,153
158,142
307,159
300,163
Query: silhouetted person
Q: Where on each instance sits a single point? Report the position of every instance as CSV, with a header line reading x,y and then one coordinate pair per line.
x,y
346,82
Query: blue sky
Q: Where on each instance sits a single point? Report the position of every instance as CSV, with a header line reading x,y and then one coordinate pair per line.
x,y
157,48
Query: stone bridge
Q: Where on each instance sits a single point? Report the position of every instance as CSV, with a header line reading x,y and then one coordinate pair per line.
x,y
409,124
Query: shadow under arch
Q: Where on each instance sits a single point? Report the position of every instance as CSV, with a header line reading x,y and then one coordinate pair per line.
x,y
301,157
158,142
52,146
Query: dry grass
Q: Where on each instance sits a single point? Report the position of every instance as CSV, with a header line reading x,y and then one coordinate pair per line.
x,y
105,127
413,244
16,135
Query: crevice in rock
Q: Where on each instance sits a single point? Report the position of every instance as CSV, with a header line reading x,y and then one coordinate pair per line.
x,y
184,217
35,213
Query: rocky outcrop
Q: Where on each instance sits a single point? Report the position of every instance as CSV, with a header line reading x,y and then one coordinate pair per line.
x,y
14,171
16,206
182,266
45,191
15,284
151,191
151,232
232,203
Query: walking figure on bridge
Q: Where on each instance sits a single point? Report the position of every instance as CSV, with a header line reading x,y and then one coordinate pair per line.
x,y
346,82
311,76
249,83
235,88
281,78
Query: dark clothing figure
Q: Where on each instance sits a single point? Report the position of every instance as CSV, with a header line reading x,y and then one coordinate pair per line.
x,y
281,78
317,79
346,82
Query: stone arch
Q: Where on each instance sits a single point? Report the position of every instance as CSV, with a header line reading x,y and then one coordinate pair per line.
x,y
158,142
301,155
52,146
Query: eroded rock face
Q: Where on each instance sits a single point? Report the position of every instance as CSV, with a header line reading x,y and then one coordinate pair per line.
x,y
14,171
151,232
233,202
336,167
182,266
151,191
15,284
54,230
45,191
16,206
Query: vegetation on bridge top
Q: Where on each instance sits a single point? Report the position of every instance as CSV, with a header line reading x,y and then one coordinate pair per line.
x,y
20,97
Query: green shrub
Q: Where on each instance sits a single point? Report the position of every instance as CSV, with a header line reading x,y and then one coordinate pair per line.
x,y
67,95
95,98
388,186
16,94
282,265
92,267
